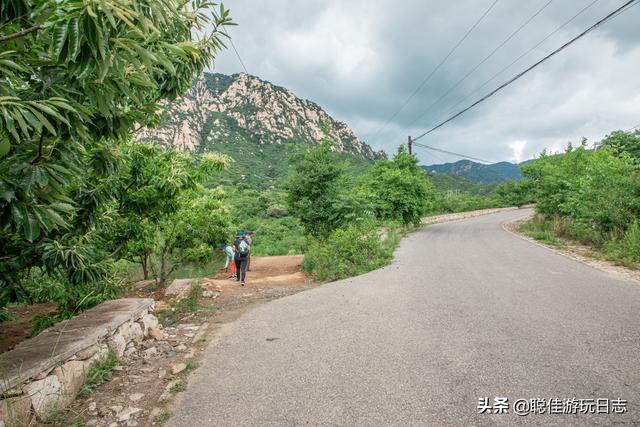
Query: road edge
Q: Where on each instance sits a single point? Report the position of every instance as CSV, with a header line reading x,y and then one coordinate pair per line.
x,y
608,267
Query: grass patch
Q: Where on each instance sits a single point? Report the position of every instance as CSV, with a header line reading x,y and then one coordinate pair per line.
x,y
177,388
542,230
191,366
100,371
183,307
162,417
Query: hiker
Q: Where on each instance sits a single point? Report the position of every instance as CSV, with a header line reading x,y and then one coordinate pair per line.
x,y
230,253
241,258
249,240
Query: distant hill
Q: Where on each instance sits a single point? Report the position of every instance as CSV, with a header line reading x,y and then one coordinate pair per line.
x,y
444,182
478,172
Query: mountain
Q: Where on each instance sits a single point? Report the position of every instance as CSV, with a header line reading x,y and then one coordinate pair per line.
x,y
478,172
254,122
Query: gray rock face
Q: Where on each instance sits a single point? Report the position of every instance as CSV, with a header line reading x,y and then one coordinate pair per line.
x,y
241,107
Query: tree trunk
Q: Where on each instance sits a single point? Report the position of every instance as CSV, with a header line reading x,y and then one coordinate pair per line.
x,y
144,260
163,268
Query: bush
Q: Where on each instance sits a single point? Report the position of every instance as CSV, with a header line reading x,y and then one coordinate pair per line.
x,y
349,251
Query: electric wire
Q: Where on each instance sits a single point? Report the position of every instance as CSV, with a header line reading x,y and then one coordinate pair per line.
x,y
431,74
523,55
417,144
486,58
602,21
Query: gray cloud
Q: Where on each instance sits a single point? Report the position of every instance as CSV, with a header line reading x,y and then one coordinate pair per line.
x,y
360,60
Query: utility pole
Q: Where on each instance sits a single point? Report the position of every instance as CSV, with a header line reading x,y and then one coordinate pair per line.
x,y
409,144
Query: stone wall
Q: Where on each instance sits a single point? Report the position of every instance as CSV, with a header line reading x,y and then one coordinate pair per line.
x,y
45,373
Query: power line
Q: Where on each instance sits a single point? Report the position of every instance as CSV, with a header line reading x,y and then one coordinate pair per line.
x,y
236,51
635,127
426,79
610,16
238,55
486,58
525,53
450,152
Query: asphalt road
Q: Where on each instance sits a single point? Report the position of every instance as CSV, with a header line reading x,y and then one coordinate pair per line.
x,y
465,311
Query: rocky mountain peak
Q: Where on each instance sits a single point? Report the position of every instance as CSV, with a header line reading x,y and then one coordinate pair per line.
x,y
220,110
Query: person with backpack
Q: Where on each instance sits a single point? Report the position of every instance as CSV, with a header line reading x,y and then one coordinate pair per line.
x,y
242,257
249,239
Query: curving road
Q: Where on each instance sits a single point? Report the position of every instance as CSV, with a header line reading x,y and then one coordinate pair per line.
x,y
466,310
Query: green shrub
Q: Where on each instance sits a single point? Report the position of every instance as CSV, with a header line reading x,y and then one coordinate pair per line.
x,y
627,249
349,251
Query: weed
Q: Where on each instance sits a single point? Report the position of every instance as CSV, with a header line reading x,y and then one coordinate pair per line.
x,y
100,371
191,366
177,388
162,417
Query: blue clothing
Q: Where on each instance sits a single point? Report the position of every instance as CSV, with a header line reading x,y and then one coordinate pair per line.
x,y
230,254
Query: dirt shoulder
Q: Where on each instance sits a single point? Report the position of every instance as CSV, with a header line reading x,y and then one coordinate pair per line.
x,y
582,253
143,388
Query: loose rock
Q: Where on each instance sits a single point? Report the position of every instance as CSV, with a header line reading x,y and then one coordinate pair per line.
x,y
177,368
156,334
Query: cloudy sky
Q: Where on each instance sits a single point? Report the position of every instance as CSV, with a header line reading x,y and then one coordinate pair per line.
x,y
362,59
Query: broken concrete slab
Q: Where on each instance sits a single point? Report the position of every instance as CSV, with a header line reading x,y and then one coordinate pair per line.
x,y
62,341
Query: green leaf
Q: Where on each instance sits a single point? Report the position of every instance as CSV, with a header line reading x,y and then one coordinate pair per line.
x,y
59,38
5,146
74,38
43,120
31,227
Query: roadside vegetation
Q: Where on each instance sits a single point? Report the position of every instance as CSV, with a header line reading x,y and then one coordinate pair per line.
x,y
590,196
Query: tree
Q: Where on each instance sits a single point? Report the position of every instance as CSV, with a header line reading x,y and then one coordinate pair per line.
x,y
156,191
399,188
515,193
192,233
313,188
77,78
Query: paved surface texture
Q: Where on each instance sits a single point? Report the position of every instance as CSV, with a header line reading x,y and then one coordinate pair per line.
x,y
466,310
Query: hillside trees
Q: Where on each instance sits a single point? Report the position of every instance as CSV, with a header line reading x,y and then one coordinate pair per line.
x,y
76,79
